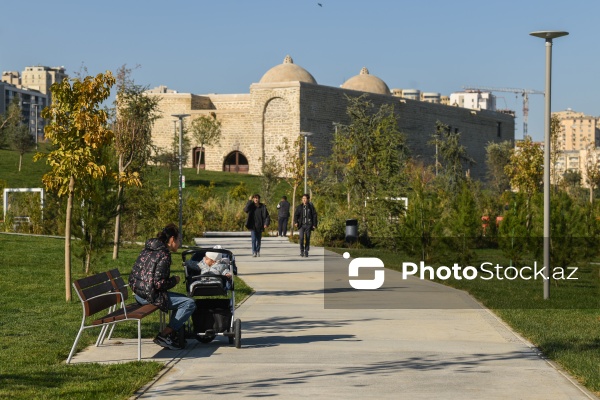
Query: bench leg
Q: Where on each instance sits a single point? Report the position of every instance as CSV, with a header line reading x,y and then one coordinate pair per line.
x,y
74,346
100,339
139,339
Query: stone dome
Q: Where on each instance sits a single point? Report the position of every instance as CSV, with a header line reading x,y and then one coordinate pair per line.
x,y
367,83
287,72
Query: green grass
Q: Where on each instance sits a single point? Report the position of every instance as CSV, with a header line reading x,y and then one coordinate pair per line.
x,y
565,327
31,174
38,327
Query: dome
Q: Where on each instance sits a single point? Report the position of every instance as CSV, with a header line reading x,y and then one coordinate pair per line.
x,y
366,83
287,72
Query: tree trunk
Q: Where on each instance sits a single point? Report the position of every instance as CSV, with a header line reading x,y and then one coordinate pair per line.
x,y
117,224
591,194
68,240
169,176
20,161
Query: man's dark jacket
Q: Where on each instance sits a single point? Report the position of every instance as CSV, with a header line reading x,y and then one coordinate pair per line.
x,y
312,219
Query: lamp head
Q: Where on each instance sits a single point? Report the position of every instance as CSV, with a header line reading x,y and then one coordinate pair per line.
x,y
549,34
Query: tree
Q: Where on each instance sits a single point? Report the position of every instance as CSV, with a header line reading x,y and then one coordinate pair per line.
x,y
269,178
496,159
422,220
293,166
592,170
135,115
370,154
207,132
17,134
525,170
78,131
12,117
455,161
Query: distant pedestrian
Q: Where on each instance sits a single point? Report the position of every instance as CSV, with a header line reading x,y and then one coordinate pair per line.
x,y
283,215
305,218
258,220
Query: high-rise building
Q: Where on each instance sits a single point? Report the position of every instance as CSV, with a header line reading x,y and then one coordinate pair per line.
x,y
32,89
578,131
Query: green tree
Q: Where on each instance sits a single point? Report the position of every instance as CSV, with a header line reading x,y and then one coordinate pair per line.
x,y
12,117
206,131
135,116
452,156
592,170
463,225
496,158
78,131
370,153
17,134
422,220
269,178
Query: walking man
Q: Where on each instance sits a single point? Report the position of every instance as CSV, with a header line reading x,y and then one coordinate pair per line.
x,y
283,215
305,218
258,220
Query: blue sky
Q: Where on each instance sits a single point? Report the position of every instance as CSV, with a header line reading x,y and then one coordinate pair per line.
x,y
224,46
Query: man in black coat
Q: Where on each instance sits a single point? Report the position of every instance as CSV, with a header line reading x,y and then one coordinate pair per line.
x,y
258,220
305,218
283,214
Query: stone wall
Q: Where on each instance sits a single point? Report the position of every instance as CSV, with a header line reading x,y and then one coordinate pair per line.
x,y
255,124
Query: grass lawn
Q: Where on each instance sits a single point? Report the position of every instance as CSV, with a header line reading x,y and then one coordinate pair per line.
x,y
565,327
31,176
38,327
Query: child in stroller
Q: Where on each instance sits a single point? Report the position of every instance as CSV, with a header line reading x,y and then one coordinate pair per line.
x,y
208,273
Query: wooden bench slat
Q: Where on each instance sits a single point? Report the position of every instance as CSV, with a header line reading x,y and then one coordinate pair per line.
x,y
134,311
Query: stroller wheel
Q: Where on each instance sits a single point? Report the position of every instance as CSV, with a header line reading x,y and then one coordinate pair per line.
x,y
237,330
208,336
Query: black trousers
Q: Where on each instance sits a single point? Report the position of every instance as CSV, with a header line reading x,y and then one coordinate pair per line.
x,y
282,226
304,238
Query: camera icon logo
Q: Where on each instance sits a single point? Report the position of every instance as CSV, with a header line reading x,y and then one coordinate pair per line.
x,y
365,262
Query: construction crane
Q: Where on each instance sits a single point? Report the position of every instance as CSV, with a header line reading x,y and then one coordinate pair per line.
x,y
524,92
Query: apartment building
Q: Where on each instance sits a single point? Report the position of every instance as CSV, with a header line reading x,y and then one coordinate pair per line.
x,y
578,131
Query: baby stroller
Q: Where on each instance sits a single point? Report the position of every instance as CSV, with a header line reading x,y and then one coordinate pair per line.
x,y
213,316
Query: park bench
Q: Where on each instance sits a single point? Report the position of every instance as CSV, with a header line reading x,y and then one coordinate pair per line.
x,y
106,292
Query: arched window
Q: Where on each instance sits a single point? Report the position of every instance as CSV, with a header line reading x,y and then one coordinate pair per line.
x,y
199,157
236,162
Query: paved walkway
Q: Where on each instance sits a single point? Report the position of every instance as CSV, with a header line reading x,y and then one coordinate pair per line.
x,y
294,347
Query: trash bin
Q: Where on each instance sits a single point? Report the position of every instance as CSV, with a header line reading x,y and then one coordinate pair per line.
x,y
351,230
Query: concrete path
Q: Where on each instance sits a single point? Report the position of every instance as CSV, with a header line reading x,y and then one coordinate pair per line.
x,y
441,344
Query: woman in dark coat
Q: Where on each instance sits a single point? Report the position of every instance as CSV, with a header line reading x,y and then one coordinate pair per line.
x,y
150,280
258,220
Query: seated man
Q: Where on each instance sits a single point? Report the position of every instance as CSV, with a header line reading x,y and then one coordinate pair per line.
x,y
212,263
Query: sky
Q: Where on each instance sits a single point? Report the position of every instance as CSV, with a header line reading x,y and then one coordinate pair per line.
x,y
223,46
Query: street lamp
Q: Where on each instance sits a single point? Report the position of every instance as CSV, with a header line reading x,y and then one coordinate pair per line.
x,y
36,121
181,117
306,135
36,125
548,36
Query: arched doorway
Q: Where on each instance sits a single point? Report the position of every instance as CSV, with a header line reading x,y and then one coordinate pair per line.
x,y
236,162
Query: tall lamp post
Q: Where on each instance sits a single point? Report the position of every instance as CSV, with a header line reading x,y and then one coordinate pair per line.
x,y
36,125
180,117
306,135
548,36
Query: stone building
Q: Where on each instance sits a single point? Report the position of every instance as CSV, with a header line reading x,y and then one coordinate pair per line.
x,y
288,100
